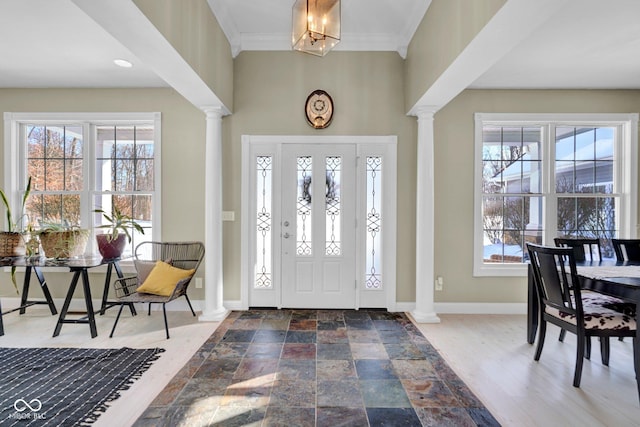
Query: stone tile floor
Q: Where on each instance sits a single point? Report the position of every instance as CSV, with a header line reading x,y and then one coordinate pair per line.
x,y
319,368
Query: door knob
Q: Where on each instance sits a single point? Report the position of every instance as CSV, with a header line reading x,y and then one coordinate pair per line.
x,y
286,223
285,235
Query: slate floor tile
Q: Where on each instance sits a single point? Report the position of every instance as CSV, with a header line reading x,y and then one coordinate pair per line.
x,y
316,368
384,394
393,417
334,352
342,417
340,393
336,370
375,369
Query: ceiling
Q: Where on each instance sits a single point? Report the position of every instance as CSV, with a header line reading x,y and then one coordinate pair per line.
x,y
586,44
372,25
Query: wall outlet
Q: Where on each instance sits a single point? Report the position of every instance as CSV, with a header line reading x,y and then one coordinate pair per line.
x,y
199,282
439,283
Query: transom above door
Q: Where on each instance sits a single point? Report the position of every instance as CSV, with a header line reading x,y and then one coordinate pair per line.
x,y
318,222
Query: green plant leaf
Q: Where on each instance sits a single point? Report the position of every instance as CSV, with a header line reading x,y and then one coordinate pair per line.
x,y
8,210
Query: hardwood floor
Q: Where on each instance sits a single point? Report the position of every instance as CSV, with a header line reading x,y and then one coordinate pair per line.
x,y
489,352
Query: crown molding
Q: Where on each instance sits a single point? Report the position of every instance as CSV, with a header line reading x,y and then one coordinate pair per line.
x,y
226,22
348,42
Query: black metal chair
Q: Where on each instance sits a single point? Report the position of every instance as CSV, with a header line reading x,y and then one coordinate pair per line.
x,y
562,304
581,247
626,249
182,255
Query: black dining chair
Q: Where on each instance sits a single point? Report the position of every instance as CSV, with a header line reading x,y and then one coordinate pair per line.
x,y
581,247
562,304
626,249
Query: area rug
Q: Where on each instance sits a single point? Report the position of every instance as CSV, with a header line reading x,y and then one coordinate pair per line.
x,y
65,386
317,368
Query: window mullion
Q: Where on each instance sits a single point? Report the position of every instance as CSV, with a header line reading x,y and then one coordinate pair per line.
x,y
550,197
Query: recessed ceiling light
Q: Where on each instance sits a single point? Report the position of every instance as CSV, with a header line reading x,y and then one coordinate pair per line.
x,y
122,63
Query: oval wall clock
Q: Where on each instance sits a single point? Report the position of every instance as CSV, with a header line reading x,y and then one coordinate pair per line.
x,y
319,109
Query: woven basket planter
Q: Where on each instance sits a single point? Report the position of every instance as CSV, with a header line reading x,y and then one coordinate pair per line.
x,y
12,244
64,244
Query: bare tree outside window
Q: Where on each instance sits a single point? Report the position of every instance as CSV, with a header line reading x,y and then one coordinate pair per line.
x,y
511,188
122,165
55,163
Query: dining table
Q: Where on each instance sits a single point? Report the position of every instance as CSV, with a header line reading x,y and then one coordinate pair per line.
x,y
79,267
619,279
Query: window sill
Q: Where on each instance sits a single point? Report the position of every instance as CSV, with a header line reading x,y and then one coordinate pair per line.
x,y
500,270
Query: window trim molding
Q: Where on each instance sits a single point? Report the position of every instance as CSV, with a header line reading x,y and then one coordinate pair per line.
x,y
627,175
15,159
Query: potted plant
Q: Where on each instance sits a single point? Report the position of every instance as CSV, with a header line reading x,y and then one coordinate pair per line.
x,y
63,240
11,240
118,225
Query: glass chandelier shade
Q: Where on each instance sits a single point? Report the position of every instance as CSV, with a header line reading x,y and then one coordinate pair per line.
x,y
316,26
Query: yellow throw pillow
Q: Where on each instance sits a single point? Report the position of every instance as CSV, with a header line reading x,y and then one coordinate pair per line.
x,y
163,278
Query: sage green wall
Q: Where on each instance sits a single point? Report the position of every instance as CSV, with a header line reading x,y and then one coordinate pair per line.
x,y
270,89
193,31
454,174
446,29
183,136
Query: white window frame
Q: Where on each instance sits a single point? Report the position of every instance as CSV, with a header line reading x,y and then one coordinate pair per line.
x,y
15,164
626,152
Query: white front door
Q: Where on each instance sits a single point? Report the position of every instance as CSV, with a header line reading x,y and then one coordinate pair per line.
x,y
318,238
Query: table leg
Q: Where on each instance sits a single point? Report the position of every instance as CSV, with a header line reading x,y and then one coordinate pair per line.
x,y
45,290
105,291
107,284
532,307
89,303
636,353
25,290
24,298
1,323
67,302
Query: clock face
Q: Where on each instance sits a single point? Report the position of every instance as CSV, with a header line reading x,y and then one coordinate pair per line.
x,y
319,109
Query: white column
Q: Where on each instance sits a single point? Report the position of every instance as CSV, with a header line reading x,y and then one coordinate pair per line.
x,y
213,291
425,311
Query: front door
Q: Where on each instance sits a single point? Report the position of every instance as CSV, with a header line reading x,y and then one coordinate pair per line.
x,y
318,238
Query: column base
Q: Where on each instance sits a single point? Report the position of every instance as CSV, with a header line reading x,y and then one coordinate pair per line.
x,y
214,315
422,317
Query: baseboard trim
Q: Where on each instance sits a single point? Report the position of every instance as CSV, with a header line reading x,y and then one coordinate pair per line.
x,y
77,304
481,308
470,307
180,304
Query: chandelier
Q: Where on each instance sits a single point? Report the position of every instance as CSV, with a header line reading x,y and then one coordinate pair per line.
x,y
316,26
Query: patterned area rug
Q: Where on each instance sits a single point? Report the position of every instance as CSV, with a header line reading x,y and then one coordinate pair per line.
x,y
65,386
317,368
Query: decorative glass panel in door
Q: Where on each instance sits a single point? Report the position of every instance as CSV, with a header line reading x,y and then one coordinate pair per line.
x,y
318,226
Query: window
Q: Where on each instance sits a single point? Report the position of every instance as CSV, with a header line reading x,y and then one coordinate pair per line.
x,y
81,162
545,176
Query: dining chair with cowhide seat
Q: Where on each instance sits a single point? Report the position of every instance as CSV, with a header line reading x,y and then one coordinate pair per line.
x,y
562,304
584,249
